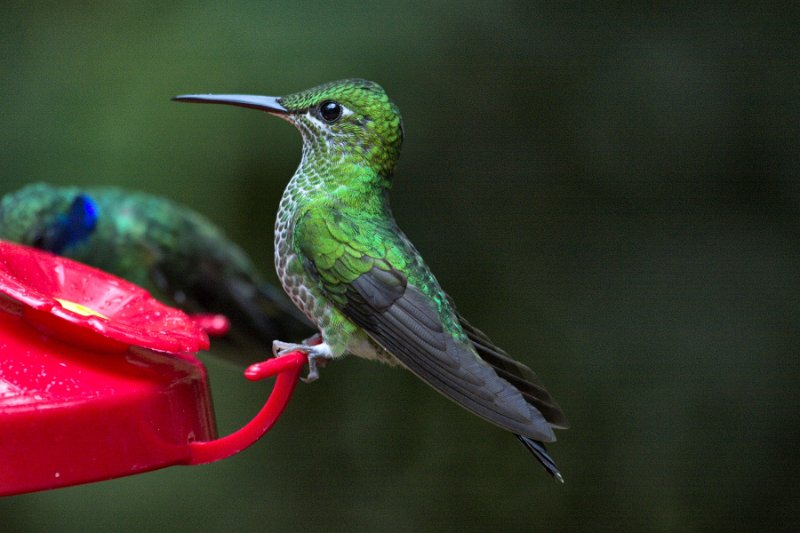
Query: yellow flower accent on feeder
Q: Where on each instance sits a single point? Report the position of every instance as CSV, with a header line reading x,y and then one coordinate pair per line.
x,y
82,310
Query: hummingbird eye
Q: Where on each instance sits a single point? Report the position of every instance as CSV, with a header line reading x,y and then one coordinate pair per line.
x,y
330,111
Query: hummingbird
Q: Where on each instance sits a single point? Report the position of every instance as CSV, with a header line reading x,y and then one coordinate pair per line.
x,y
180,256
343,260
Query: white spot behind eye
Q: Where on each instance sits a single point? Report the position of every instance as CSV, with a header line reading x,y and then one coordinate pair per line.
x,y
345,111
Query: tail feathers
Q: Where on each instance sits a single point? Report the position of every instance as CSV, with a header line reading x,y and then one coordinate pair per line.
x,y
540,452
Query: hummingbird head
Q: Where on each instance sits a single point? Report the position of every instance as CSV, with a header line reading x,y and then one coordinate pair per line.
x,y
47,217
352,121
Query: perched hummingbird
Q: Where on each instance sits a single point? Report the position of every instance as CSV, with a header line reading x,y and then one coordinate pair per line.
x,y
177,254
344,261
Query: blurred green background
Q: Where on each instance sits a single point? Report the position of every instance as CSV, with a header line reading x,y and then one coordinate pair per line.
x,y
610,190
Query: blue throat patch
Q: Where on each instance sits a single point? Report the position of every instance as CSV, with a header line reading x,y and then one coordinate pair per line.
x,y
72,227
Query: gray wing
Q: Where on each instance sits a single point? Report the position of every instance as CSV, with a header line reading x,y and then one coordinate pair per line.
x,y
517,374
405,322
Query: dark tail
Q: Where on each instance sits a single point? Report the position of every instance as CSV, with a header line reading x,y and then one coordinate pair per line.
x,y
540,452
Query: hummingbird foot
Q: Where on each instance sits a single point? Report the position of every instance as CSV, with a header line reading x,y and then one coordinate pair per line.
x,y
318,355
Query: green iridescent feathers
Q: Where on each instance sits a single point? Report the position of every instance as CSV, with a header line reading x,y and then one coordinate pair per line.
x,y
370,130
346,263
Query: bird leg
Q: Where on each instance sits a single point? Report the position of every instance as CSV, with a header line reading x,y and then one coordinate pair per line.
x,y
316,353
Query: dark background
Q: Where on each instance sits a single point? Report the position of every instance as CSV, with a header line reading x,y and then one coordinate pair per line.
x,y
609,190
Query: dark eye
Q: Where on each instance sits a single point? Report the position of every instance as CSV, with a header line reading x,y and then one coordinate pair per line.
x,y
330,111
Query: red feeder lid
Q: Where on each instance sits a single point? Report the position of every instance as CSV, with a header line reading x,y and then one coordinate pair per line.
x,y
99,380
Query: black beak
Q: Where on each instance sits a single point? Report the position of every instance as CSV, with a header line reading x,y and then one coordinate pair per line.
x,y
269,104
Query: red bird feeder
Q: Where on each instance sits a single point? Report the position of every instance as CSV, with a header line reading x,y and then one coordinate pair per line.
x,y
99,380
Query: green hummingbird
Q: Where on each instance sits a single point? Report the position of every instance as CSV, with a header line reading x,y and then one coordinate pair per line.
x,y
180,256
343,260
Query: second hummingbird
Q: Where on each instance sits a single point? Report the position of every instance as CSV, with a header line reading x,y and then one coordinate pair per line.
x,y
177,254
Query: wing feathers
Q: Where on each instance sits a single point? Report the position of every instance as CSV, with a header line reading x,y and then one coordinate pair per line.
x,y
414,328
519,375
381,288
410,329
